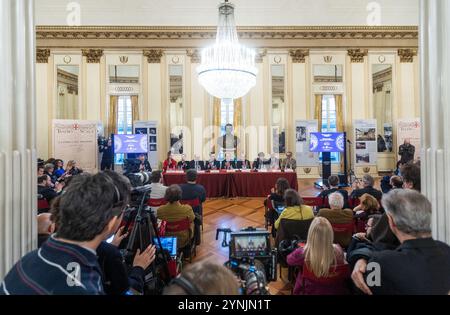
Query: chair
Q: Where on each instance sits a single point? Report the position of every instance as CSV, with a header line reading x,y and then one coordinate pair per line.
x,y
195,205
343,231
290,230
43,205
156,202
339,275
182,226
313,201
269,209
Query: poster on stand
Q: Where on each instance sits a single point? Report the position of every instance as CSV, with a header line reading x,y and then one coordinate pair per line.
x,y
303,129
76,140
365,147
409,129
150,129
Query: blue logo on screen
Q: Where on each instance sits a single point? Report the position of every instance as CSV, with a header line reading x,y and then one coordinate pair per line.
x,y
327,142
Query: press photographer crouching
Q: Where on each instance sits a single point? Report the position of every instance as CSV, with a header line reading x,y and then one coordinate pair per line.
x,y
86,214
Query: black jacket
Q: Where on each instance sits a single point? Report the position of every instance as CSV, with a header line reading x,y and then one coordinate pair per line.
x,y
47,192
211,165
223,164
116,280
184,165
406,151
367,190
147,167
240,164
199,163
192,191
258,162
418,266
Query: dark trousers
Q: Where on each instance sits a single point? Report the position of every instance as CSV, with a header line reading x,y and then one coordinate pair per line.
x,y
106,165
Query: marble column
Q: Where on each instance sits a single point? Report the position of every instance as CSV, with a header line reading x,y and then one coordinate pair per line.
x,y
434,52
18,234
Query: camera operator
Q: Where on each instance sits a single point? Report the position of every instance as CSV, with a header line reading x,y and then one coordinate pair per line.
x,y
67,263
106,148
204,278
116,280
145,164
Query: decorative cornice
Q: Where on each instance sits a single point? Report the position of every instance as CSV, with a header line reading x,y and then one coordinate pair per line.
x,y
153,55
92,55
42,55
357,55
407,55
194,54
260,54
288,36
298,55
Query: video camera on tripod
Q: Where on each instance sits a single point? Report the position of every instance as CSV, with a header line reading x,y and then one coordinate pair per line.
x,y
251,258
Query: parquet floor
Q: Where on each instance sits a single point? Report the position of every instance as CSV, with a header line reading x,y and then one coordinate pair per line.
x,y
236,214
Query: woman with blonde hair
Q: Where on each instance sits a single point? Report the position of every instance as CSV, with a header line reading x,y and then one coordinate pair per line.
x,y
319,257
368,205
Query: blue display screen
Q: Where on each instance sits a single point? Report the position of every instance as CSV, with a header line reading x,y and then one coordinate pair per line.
x,y
131,143
327,142
169,243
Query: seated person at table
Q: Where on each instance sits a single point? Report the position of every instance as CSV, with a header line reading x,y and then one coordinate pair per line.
x,y
169,163
367,207
337,215
333,182
174,211
212,163
196,164
183,164
191,190
319,255
295,209
365,187
276,197
274,162
289,162
242,162
145,164
260,161
158,189
228,162
45,188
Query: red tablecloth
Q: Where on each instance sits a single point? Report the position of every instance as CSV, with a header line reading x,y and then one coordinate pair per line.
x,y
237,184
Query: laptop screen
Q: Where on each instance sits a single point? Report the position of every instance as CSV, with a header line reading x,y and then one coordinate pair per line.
x,y
169,243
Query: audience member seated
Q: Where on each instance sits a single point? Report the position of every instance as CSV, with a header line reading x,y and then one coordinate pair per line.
x,y
115,277
85,216
333,182
320,256
45,188
366,187
49,170
169,163
72,169
197,164
260,162
158,190
45,227
420,265
228,162
59,168
145,164
204,278
362,239
396,182
276,197
243,163
411,176
212,163
295,209
183,164
174,211
368,206
289,162
40,170
191,190
337,215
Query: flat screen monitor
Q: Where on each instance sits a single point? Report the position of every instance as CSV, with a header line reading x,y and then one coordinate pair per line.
x,y
327,142
137,143
251,244
169,243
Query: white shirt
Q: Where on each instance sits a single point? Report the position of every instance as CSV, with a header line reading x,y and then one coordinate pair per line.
x,y
158,192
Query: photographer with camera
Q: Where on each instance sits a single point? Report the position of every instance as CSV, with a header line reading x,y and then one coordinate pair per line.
x,y
85,215
116,280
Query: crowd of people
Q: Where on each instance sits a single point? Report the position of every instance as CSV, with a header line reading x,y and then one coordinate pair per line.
x,y
79,237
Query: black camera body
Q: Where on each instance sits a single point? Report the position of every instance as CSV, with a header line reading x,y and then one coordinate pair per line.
x,y
253,260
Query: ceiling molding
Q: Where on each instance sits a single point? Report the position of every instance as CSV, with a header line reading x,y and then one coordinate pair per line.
x,y
255,36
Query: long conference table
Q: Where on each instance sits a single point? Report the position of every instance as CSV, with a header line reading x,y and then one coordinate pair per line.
x,y
234,184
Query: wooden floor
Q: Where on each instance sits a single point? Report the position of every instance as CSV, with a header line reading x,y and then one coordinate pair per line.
x,y
238,213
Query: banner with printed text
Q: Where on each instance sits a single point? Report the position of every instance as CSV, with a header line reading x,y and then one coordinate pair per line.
x,y
409,129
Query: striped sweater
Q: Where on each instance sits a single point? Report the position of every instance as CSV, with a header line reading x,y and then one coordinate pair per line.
x,y
55,268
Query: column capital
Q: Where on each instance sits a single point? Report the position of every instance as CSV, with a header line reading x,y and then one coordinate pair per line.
x,y
42,55
407,55
92,55
153,55
260,54
299,55
357,55
194,54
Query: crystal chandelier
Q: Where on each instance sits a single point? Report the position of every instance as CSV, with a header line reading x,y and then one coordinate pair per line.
x,y
227,69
